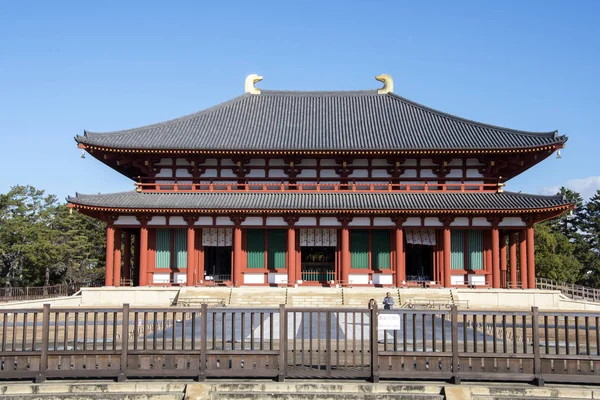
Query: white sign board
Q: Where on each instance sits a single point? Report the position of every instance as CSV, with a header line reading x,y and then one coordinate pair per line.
x,y
388,322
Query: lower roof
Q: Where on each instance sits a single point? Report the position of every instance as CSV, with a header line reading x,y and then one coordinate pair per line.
x,y
318,202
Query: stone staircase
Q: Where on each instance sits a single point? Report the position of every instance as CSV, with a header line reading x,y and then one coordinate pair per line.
x,y
93,391
325,391
315,297
257,297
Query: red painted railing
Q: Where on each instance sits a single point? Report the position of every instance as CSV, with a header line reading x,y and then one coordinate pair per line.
x,y
317,187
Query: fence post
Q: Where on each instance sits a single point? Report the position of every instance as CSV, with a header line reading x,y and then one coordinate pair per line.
x,y
455,366
282,344
537,367
124,343
41,377
203,341
374,342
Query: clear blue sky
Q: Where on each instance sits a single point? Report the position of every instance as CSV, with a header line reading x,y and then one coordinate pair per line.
x,y
70,66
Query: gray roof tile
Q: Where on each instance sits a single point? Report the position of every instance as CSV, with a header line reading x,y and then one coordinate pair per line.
x,y
334,121
320,201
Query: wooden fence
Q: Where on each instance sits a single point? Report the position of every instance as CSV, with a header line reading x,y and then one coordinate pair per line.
x,y
290,342
572,291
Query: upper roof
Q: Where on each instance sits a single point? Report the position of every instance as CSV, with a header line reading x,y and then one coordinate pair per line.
x,y
324,121
321,202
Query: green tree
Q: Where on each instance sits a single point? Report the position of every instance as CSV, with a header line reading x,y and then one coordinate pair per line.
x,y
43,243
569,224
555,255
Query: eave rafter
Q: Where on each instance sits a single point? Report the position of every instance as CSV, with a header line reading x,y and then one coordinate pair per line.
x,y
538,214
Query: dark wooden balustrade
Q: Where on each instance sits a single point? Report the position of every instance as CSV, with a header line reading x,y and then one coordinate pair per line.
x,y
291,342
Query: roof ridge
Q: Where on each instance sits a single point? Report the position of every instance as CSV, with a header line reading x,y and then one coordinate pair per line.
x,y
291,93
167,122
553,134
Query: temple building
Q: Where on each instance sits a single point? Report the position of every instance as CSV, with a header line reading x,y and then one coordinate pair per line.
x,y
339,188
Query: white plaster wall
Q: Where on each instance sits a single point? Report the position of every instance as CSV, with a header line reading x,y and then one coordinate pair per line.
x,y
360,221
277,163
380,173
383,279
457,279
203,221
161,278
178,221
454,173
359,173
307,221
382,221
277,278
412,221
512,221
165,161
478,280
358,279
257,162
127,220
328,173
308,173
158,221
409,173
329,221
224,221
277,173
427,162
473,173
180,277
329,163
432,221
276,221
253,221
480,221
165,173
256,173
210,173
378,162
427,173
308,162
182,173
460,221
227,173
250,278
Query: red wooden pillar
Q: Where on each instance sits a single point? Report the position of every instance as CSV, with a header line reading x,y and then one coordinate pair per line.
x,y
495,258
144,254
400,258
345,253
513,260
136,258
447,259
191,252
117,259
127,256
291,256
503,262
530,258
200,259
523,259
110,253
237,256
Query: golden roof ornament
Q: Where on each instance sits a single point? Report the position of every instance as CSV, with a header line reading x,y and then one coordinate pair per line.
x,y
250,81
388,84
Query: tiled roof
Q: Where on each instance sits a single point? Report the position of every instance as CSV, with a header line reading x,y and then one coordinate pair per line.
x,y
326,121
321,201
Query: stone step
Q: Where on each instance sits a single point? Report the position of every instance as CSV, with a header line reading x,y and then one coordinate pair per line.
x,y
348,387
109,391
321,396
96,396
